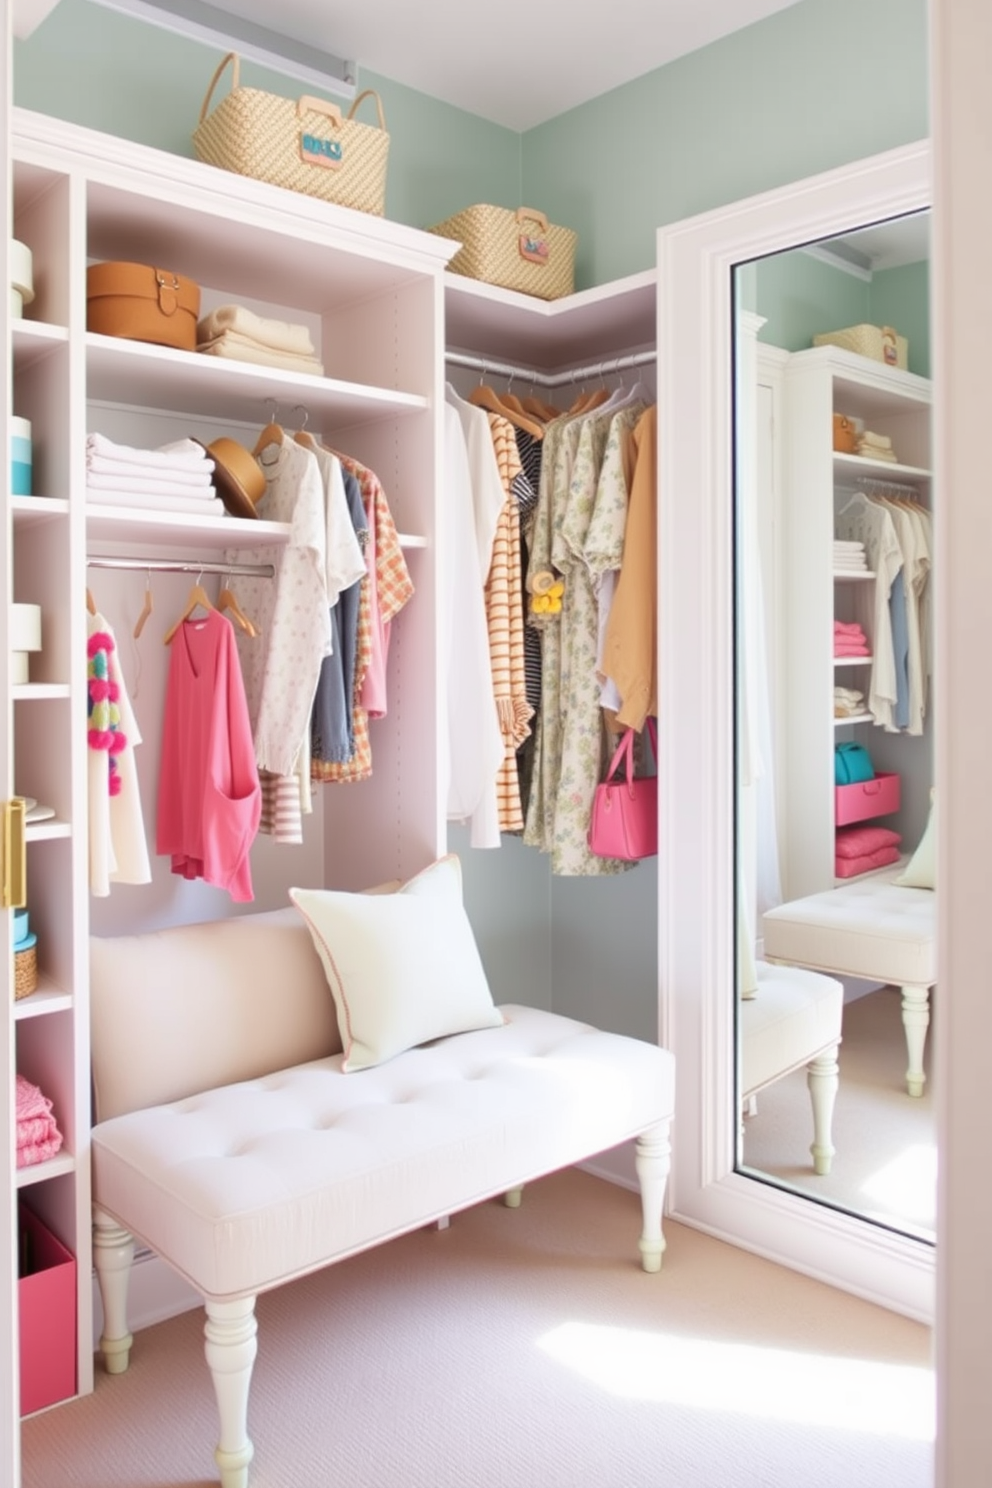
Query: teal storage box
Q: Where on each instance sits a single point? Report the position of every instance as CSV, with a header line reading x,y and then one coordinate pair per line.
x,y
20,456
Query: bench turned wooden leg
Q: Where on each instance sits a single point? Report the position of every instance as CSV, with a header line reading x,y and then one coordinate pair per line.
x,y
822,1080
230,1349
653,1162
113,1252
916,1021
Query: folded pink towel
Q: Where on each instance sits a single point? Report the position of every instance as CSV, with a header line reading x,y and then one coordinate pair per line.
x,y
843,649
851,867
857,842
844,627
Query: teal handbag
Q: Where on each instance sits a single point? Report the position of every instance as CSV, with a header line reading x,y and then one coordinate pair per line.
x,y
852,763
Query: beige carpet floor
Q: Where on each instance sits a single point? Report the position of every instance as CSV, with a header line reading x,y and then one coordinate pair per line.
x,y
525,1349
885,1167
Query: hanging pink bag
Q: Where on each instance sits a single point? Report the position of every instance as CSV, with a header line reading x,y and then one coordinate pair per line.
x,y
624,818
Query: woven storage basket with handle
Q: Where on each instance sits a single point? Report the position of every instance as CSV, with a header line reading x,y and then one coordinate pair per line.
x,y
516,250
881,343
305,146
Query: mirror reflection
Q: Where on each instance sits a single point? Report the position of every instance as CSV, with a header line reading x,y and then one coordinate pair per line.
x,y
835,565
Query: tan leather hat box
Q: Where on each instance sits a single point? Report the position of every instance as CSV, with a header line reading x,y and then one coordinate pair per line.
x,y
142,303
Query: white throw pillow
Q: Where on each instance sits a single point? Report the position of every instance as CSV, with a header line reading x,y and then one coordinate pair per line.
x,y
403,968
921,870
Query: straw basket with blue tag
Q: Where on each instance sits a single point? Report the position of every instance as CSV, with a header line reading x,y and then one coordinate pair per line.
x,y
306,146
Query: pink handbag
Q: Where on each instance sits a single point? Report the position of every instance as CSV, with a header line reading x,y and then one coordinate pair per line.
x,y
624,818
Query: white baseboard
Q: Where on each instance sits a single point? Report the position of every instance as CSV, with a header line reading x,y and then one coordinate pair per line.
x,y
155,1292
616,1166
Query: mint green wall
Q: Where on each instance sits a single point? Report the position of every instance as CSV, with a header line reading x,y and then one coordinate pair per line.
x,y
799,296
901,298
819,84
109,72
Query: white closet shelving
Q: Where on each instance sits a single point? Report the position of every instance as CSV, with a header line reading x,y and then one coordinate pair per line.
x,y
818,480
371,293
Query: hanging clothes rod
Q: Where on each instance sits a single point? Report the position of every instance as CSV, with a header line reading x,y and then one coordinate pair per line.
x,y
551,379
160,565
871,483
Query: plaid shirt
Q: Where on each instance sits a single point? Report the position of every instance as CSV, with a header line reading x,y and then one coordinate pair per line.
x,y
393,587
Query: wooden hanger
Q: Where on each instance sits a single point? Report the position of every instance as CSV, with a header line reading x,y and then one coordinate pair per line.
x,y
146,609
197,596
90,602
303,436
271,434
227,601
541,410
484,396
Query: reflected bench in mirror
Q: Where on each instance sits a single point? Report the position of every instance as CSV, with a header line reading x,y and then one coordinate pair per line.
x,y
793,1019
874,929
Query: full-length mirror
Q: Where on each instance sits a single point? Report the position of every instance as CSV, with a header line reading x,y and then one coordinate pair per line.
x,y
834,567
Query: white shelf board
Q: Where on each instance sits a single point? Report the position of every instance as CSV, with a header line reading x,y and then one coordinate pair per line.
x,y
843,576
30,510
41,1172
136,374
32,340
144,529
46,831
842,661
855,718
882,469
550,334
27,692
411,540
879,389
46,998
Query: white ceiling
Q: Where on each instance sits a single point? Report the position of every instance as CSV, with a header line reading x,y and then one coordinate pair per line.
x,y
518,63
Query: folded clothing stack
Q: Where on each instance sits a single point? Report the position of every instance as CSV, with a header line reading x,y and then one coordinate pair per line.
x,y
850,640
849,557
860,849
38,1137
177,476
877,447
237,332
848,702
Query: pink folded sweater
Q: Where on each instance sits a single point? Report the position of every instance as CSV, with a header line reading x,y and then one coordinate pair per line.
x,y
38,1137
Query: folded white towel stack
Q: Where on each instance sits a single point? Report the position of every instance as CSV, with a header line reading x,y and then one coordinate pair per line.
x,y
175,477
849,556
235,331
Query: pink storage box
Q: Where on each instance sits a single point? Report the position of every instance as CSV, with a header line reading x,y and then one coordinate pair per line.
x,y
47,1307
865,799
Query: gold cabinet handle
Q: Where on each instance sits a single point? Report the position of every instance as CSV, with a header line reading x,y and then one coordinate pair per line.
x,y
15,888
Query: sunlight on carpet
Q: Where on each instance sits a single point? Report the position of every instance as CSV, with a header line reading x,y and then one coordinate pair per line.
x,y
887,1400
905,1184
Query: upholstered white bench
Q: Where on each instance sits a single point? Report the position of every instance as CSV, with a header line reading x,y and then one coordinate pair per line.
x,y
230,1140
873,929
794,1019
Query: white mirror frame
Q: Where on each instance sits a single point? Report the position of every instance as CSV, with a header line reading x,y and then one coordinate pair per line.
x,y
696,260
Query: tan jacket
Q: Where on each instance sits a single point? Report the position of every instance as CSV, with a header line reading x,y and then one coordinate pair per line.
x,y
630,654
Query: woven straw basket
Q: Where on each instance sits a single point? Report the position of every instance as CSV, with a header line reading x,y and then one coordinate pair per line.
x,y
305,146
25,972
516,250
881,343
